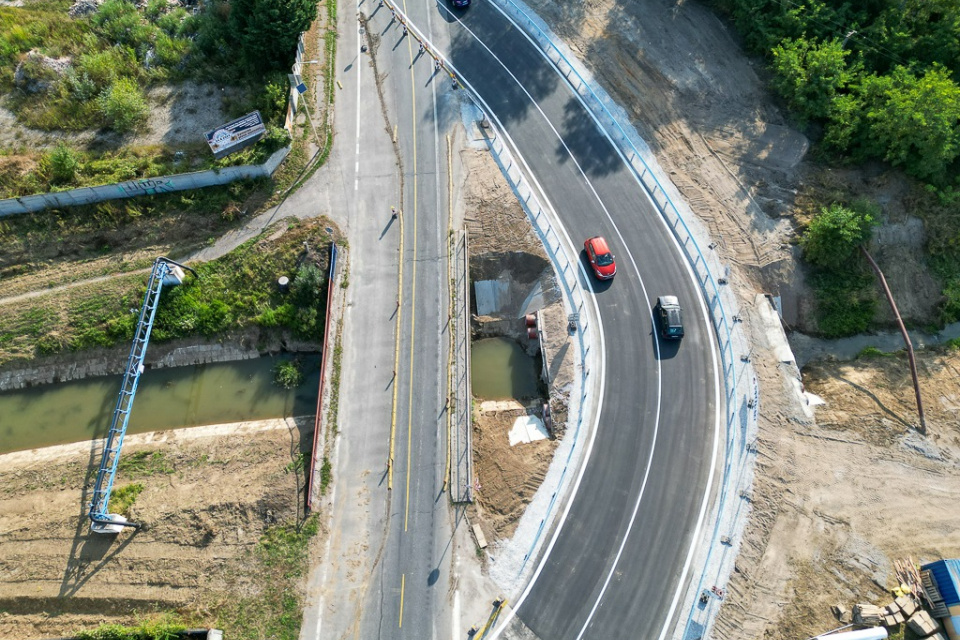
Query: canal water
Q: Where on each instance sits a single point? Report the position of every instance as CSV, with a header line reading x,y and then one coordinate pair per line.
x,y
500,369
169,398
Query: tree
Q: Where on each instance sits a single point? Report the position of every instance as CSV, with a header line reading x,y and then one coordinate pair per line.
x,y
915,121
809,74
267,30
835,233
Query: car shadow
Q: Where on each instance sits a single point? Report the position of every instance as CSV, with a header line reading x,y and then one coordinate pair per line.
x,y
662,348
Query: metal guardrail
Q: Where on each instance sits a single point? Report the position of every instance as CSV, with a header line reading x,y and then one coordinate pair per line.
x,y
461,480
741,404
552,243
572,293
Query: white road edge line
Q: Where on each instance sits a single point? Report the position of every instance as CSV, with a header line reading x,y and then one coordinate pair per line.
x,y
636,270
356,166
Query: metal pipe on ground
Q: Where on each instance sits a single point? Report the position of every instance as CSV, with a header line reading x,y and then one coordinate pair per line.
x,y
906,337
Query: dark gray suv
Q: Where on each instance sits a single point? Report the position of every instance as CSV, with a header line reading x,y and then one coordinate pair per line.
x,y
670,317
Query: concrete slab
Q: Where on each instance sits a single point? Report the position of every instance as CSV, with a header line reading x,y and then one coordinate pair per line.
x,y
527,429
491,296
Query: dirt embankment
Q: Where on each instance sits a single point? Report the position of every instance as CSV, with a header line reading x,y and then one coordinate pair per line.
x,y
839,499
508,475
208,495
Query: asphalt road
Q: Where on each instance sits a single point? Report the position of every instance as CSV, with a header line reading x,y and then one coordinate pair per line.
x,y
615,566
409,595
616,563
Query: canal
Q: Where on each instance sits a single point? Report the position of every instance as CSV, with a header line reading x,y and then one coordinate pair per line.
x,y
169,398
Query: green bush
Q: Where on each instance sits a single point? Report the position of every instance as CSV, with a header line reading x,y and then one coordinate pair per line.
x,y
846,302
809,74
835,234
273,100
123,106
119,22
288,374
63,162
102,68
950,306
155,9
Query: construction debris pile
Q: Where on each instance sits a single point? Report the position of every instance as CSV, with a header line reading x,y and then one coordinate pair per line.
x,y
910,606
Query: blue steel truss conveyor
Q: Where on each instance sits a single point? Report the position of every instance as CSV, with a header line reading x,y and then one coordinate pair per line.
x,y
165,272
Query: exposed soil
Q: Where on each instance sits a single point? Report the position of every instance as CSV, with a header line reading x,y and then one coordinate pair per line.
x,y
838,500
508,476
206,501
702,106
179,114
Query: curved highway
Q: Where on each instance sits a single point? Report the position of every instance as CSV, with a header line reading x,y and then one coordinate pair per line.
x,y
616,564
617,559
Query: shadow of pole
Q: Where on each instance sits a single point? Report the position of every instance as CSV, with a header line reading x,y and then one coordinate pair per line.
x,y
85,549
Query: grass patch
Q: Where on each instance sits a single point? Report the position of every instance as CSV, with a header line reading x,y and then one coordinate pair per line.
x,y
164,627
145,463
172,223
276,611
123,498
326,475
873,352
63,167
234,292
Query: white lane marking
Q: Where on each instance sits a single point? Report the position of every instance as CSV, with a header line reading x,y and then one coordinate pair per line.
x,y
455,632
356,167
326,550
656,429
709,331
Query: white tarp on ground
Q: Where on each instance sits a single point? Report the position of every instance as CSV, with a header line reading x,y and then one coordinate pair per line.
x,y
527,429
491,296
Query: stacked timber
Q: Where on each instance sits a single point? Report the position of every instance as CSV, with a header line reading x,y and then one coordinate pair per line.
x,y
867,615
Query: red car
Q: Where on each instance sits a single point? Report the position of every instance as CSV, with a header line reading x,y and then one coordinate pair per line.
x,y
598,253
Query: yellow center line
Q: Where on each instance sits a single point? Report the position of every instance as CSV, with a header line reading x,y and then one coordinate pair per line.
x,y
403,582
413,279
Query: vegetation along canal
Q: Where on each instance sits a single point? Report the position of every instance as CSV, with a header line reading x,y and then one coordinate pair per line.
x,y
500,369
168,398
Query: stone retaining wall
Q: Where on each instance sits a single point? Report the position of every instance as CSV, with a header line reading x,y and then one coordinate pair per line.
x,y
101,362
